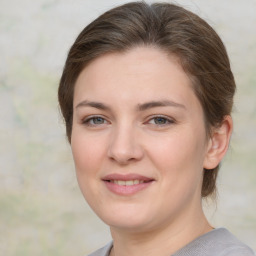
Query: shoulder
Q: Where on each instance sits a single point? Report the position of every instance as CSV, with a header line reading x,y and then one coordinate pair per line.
x,y
218,242
104,251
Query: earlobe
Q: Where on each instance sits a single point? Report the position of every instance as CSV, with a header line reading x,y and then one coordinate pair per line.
x,y
218,143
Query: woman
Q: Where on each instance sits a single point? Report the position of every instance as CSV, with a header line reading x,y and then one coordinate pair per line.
x,y
146,94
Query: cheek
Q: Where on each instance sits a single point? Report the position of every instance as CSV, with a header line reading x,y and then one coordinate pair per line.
x,y
177,148
179,158
180,165
87,153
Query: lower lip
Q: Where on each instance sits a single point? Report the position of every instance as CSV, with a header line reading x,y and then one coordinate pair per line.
x,y
127,190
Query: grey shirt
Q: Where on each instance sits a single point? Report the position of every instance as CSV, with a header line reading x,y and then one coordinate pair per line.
x,y
218,242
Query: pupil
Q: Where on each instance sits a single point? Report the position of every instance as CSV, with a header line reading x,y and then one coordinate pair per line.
x,y
160,120
98,120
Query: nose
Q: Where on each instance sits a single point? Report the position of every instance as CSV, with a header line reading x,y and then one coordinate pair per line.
x,y
124,146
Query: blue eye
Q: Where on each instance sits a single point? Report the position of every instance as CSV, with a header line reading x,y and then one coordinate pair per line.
x,y
97,120
160,120
94,121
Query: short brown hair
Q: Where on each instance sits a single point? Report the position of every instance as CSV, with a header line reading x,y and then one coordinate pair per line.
x,y
172,29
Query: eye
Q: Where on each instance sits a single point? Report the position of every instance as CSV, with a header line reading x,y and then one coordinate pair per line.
x,y
160,121
95,121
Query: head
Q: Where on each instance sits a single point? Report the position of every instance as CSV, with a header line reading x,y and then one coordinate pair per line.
x,y
175,31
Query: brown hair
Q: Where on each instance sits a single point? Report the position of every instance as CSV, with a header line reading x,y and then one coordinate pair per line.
x,y
172,29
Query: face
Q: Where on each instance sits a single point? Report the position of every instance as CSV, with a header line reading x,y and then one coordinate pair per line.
x,y
138,140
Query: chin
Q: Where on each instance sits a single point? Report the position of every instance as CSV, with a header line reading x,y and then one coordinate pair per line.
x,y
133,220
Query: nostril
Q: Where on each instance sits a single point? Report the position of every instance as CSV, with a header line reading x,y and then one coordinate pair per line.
x,y
123,147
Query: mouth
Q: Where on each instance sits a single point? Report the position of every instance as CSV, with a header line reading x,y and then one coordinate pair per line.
x,y
126,184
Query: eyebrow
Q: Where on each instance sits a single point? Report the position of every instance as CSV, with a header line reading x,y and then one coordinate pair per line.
x,y
162,103
93,104
140,107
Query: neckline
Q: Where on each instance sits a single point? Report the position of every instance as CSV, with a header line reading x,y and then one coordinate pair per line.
x,y
109,246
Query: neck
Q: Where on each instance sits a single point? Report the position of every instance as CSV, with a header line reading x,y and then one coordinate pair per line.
x,y
164,241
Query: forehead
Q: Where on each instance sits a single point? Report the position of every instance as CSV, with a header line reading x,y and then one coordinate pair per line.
x,y
142,74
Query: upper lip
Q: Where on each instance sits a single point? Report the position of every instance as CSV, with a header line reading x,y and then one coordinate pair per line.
x,y
126,177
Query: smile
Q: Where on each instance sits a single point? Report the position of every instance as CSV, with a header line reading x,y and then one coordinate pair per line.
x,y
127,182
126,185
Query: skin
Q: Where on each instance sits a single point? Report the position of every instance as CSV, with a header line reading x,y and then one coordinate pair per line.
x,y
166,142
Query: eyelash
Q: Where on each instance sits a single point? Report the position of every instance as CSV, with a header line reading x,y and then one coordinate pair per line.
x,y
167,121
91,118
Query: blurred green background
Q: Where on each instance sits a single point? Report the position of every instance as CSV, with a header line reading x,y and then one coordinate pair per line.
x,y
41,209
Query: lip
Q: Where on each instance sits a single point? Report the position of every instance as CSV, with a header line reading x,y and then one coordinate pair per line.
x,y
125,190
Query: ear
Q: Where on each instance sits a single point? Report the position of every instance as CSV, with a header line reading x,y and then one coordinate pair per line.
x,y
218,143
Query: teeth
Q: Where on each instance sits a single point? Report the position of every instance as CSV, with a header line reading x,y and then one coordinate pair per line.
x,y
127,182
